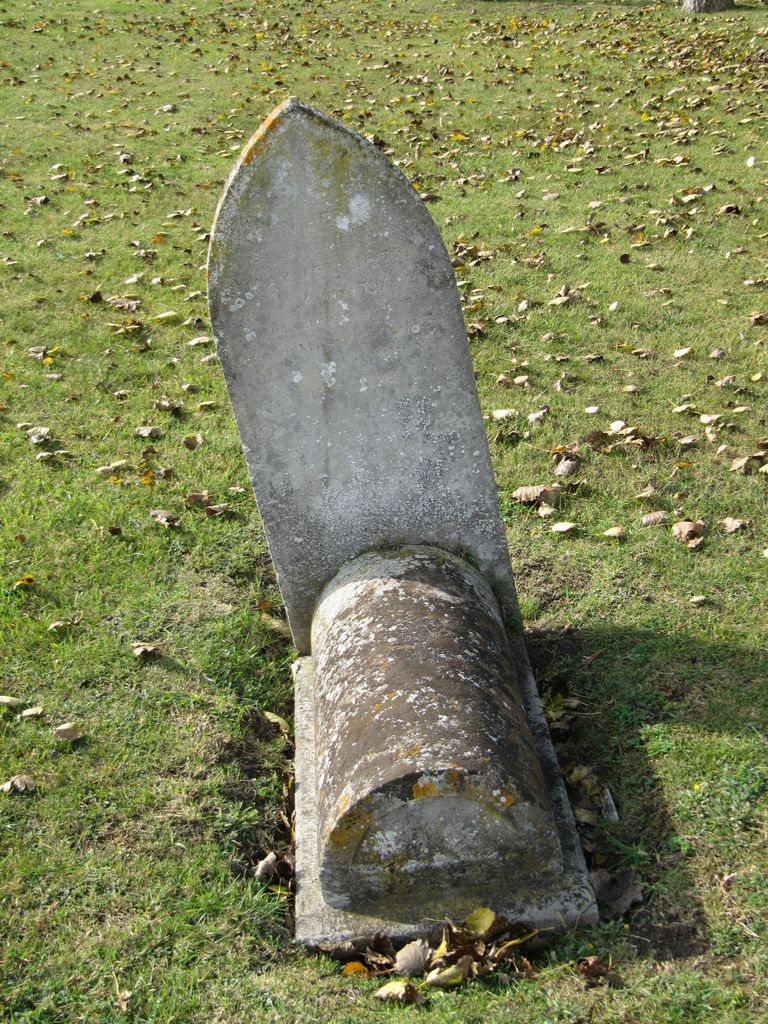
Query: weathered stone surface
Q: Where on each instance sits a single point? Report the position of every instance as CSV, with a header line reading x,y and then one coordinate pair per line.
x,y
707,6
430,794
338,323
421,790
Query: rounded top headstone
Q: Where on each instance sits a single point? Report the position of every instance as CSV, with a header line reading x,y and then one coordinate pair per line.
x,y
338,323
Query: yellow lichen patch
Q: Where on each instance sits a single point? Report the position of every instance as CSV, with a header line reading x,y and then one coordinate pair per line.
x,y
257,143
508,799
349,830
425,791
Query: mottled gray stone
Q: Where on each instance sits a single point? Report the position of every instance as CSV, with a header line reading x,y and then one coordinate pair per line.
x,y
338,323
421,789
707,6
430,795
426,782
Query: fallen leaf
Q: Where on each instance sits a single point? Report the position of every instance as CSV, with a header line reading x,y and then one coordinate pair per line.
x,y
19,784
10,702
732,525
413,959
597,972
37,435
61,624
563,528
197,498
279,625
164,517
614,531
68,731
450,976
400,991
538,494
654,518
567,467
690,532
144,650
355,967
34,712
281,723
218,510
480,920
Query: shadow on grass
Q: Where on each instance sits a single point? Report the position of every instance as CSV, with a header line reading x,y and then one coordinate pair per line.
x,y
643,693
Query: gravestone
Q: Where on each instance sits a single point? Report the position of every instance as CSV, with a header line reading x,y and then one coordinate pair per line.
x,y
426,781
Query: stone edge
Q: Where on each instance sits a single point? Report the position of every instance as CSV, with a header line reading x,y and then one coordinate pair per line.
x,y
574,905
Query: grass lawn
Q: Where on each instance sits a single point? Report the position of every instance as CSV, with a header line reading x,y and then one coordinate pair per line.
x,y
608,156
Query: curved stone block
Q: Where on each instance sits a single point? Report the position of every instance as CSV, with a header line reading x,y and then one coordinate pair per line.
x,y
430,795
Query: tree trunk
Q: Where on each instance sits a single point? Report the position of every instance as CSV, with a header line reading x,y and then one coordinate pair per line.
x,y
707,6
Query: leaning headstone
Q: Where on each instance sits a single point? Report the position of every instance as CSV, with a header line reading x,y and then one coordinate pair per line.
x,y
426,781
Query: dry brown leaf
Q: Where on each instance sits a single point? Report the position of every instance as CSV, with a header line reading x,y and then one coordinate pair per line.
x,y
192,441
400,991
10,702
690,532
563,528
614,532
152,432
218,510
197,498
538,494
19,784
68,731
567,467
34,712
597,972
449,976
145,650
654,518
413,959
164,517
732,525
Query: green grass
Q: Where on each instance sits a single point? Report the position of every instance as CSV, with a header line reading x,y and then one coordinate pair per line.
x,y
130,868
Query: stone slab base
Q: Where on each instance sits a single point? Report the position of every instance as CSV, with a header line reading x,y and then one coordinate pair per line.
x,y
571,903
